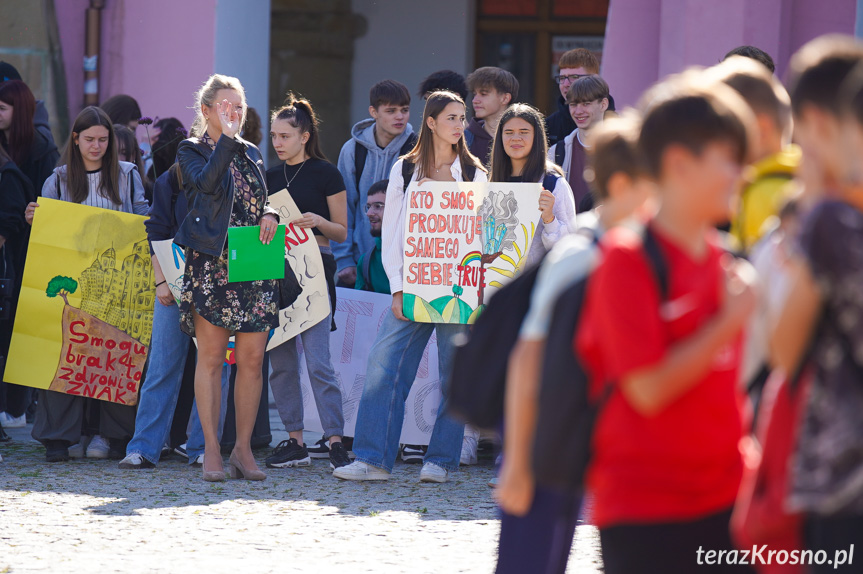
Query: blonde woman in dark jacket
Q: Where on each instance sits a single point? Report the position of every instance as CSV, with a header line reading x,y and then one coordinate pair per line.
x,y
225,186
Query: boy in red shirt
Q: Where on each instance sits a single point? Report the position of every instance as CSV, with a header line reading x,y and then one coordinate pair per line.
x,y
666,464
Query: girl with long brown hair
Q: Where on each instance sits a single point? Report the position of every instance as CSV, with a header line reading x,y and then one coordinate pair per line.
x,y
90,174
440,155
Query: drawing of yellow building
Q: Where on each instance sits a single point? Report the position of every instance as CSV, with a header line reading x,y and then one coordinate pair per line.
x,y
121,297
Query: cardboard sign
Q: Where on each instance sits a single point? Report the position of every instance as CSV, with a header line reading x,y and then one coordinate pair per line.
x,y
85,314
172,260
302,252
462,242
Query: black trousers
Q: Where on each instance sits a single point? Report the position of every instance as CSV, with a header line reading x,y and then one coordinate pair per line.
x,y
14,399
835,535
668,547
60,417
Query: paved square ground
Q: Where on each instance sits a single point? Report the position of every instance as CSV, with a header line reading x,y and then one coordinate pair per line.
x,y
88,516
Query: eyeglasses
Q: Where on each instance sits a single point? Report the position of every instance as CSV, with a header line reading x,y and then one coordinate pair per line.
x,y
376,206
569,79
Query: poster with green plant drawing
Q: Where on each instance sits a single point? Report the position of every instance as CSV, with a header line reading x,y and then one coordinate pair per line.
x,y
85,313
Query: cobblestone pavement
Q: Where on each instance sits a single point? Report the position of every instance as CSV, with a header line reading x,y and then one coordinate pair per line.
x,y
89,516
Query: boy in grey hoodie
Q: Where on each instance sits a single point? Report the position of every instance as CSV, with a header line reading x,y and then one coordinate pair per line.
x,y
367,157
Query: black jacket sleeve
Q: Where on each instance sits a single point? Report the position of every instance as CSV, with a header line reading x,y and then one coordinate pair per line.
x,y
14,195
201,175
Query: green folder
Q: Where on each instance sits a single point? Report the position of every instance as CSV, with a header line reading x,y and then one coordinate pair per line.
x,y
251,260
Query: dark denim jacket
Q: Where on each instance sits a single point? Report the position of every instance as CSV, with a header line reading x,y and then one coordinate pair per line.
x,y
210,190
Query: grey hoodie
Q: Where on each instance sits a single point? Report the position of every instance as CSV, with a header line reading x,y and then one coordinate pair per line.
x,y
379,162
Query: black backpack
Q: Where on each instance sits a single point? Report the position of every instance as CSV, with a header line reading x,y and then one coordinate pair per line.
x,y
565,410
559,152
361,152
477,386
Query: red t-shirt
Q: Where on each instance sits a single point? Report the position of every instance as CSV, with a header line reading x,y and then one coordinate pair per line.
x,y
682,463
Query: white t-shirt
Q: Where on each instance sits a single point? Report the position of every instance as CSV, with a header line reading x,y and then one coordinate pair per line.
x,y
570,260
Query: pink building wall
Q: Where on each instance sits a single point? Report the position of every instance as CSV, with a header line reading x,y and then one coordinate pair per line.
x,y
649,39
158,51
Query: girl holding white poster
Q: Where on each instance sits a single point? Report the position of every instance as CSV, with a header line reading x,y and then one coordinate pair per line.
x,y
519,156
440,155
317,187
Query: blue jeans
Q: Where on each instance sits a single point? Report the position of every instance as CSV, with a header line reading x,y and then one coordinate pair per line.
x,y
285,380
158,397
195,444
392,368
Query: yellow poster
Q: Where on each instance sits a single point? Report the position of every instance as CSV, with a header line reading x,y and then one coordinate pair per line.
x,y
85,314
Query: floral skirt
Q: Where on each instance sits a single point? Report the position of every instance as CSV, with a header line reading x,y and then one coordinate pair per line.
x,y
241,307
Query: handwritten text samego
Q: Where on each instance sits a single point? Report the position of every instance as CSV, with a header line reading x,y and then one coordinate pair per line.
x,y
436,235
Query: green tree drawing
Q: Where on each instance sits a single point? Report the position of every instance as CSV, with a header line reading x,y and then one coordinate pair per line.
x,y
61,286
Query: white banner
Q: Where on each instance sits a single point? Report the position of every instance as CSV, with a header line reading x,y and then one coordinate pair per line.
x,y
359,315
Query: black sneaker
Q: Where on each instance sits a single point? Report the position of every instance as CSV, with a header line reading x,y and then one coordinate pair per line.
x,y
56,450
117,448
135,462
338,456
320,450
413,453
289,453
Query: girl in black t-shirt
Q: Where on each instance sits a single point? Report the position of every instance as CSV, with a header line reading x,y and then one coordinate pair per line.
x,y
316,186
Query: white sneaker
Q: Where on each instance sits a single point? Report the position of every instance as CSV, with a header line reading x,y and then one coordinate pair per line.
x,y
361,471
469,446
135,461
433,473
199,460
98,448
79,449
11,422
